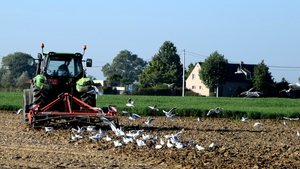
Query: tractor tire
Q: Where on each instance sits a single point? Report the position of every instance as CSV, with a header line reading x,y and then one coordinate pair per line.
x,y
40,97
89,99
27,99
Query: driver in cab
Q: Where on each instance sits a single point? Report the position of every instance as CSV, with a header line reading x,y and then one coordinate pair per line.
x,y
63,69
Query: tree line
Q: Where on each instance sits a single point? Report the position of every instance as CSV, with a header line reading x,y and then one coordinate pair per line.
x,y
164,70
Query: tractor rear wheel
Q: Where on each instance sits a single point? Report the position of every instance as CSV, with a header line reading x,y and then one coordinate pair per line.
x,y
27,99
89,99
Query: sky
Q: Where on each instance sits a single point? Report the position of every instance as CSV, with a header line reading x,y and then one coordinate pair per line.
x,y
249,31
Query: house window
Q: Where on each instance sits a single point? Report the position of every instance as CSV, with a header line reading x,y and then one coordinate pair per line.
x,y
193,76
200,87
193,87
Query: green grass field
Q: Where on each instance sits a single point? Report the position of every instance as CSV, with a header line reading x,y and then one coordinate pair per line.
x,y
254,108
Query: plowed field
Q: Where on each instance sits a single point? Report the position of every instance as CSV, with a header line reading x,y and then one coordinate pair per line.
x,y
237,145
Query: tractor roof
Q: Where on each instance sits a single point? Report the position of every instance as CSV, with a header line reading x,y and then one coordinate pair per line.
x,y
63,53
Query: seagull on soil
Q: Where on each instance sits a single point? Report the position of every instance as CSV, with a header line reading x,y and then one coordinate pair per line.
x,y
47,129
211,145
285,123
140,142
154,107
76,137
107,138
199,147
169,144
78,130
149,121
96,137
162,141
159,146
130,102
133,116
257,124
216,110
198,119
298,133
118,143
91,128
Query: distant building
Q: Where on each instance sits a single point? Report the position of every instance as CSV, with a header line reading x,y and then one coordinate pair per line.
x,y
238,81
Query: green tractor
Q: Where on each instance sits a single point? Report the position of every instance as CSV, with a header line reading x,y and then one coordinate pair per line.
x,y
59,73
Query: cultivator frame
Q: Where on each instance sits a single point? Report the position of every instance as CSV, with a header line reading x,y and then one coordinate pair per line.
x,y
42,116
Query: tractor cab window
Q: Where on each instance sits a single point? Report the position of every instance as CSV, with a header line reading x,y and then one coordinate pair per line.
x,y
64,66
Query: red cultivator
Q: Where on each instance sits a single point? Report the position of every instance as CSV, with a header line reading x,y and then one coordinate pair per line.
x,y
41,116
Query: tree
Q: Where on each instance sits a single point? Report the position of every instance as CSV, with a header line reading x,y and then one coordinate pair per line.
x,y
126,64
21,80
262,79
7,80
214,70
17,63
191,66
165,67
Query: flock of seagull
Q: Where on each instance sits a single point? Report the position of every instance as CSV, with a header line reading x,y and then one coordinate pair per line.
x,y
138,136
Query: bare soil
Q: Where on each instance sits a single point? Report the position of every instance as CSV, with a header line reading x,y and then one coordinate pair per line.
x,y
237,145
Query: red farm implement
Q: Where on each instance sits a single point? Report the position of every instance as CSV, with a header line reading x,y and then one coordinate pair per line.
x,y
86,115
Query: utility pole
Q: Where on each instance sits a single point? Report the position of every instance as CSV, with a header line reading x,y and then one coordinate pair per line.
x,y
183,69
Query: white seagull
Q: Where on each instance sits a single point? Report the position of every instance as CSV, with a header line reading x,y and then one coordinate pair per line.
x,y
107,138
285,123
169,114
96,137
298,133
244,119
133,116
169,144
216,110
154,108
149,121
211,145
91,128
78,130
47,129
199,147
118,143
257,124
287,118
159,146
130,102
198,119
19,111
95,91
140,142
76,137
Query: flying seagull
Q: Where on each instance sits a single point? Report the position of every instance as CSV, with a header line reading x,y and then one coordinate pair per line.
x,y
130,102
169,114
149,121
258,124
290,118
216,110
154,107
19,111
250,93
133,116
244,119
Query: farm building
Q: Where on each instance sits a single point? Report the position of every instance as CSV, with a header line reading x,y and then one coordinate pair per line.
x,y
239,80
